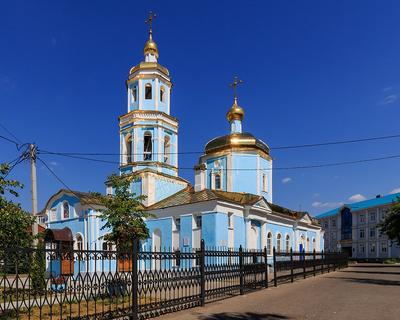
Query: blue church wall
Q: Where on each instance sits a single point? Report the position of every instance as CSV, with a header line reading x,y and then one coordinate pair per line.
x,y
163,105
185,238
215,236
166,188
276,229
265,164
134,105
244,180
148,104
239,238
72,201
210,163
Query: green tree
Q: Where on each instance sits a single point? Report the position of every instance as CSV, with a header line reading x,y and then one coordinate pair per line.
x,y
38,268
391,224
123,213
15,225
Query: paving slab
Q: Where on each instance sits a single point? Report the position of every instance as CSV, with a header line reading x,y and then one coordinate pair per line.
x,y
363,291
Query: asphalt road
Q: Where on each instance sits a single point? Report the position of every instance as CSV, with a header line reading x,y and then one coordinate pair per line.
x,y
363,291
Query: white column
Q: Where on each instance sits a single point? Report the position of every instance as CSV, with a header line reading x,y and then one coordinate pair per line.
x,y
140,94
156,93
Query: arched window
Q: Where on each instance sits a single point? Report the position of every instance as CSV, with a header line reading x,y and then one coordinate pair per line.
x,y
65,210
278,242
147,146
134,93
79,242
264,182
308,244
269,243
313,243
217,181
162,94
167,149
287,243
148,91
128,148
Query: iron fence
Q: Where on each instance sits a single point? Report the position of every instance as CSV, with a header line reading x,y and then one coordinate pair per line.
x,y
63,283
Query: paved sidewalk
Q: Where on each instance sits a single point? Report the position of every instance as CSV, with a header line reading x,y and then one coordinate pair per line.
x,y
364,291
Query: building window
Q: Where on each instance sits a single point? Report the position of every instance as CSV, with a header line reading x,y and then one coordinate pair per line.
x,y
167,149
287,243
128,148
362,218
372,217
230,220
178,224
372,247
333,236
313,244
79,242
65,210
269,243
326,224
362,233
361,248
278,243
333,222
162,94
148,92
372,232
134,94
264,182
384,247
198,222
147,146
308,244
217,181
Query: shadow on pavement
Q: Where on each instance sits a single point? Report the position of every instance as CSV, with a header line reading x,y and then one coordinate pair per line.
x,y
380,265
370,281
243,316
370,272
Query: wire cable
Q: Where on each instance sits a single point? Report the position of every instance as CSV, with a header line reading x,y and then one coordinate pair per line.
x,y
10,133
312,166
300,146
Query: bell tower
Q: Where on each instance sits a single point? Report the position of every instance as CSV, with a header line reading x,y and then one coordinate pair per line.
x,y
148,133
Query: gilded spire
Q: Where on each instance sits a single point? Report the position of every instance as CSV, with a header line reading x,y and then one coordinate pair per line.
x,y
235,112
150,47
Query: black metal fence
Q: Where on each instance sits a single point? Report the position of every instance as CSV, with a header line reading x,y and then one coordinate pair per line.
x,y
62,283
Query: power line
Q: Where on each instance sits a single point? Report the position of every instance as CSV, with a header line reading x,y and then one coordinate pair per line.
x,y
10,133
11,141
311,145
332,164
61,181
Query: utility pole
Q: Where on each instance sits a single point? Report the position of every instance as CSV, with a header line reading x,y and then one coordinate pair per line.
x,y
32,155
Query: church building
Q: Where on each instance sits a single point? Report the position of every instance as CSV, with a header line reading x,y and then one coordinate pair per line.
x,y
228,206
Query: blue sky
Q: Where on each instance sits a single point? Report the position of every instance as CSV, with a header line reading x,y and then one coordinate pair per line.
x,y
314,71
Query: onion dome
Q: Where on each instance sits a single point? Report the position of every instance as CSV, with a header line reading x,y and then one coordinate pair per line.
x,y
150,47
236,141
235,113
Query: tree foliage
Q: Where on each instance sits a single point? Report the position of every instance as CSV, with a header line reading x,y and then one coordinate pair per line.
x,y
123,213
15,223
391,224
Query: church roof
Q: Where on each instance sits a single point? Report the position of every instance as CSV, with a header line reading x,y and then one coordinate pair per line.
x,y
236,140
188,196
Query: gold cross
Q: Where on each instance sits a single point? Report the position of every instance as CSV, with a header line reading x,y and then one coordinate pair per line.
x,y
149,21
234,84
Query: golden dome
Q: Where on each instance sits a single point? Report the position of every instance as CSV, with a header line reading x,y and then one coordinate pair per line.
x,y
235,113
150,47
236,141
